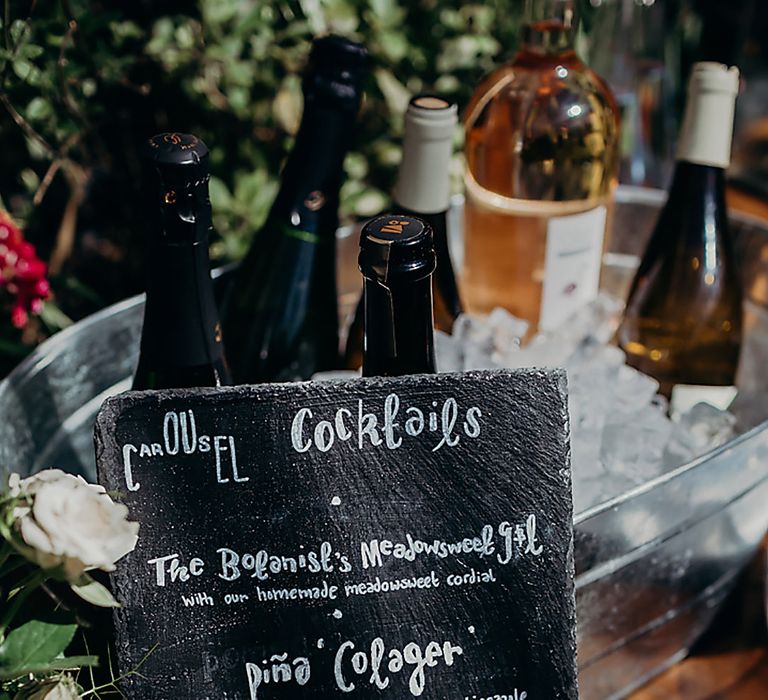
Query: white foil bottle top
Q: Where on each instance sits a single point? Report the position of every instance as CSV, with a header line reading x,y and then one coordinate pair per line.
x,y
708,123
424,181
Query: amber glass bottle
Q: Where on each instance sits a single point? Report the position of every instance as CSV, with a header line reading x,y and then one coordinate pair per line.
x,y
541,152
683,319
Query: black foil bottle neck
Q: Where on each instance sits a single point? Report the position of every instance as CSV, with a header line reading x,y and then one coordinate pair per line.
x,y
176,174
399,336
397,259
181,335
332,88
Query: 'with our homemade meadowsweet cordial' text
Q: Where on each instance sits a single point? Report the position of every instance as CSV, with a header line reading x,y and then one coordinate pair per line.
x,y
376,538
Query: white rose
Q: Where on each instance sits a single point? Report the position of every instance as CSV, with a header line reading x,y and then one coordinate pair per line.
x,y
67,522
29,486
65,689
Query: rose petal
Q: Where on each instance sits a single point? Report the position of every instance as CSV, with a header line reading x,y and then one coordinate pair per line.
x,y
74,524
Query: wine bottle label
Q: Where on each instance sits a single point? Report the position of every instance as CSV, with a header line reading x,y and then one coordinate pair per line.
x,y
572,265
299,234
686,396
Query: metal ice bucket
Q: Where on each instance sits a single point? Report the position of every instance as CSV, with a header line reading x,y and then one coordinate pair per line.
x,y
652,565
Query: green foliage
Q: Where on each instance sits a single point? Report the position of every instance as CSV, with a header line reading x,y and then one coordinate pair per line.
x,y
38,647
85,82
91,591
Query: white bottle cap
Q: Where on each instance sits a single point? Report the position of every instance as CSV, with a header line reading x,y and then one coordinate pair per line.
x,y
424,182
708,123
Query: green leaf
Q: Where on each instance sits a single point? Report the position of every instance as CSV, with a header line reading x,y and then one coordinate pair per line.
x,y
19,30
30,179
219,11
393,45
239,99
388,13
28,72
33,645
239,73
54,317
288,105
219,194
125,29
94,593
341,16
395,93
63,663
38,108
30,51
313,11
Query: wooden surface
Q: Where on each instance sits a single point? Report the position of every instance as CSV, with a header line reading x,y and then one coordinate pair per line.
x,y
736,675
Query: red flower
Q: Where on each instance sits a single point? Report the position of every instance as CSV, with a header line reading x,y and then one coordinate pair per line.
x,y
22,273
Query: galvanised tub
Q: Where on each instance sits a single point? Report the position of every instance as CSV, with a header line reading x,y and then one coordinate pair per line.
x,y
653,564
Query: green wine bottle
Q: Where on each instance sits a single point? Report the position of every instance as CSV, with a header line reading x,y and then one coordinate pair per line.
x,y
280,316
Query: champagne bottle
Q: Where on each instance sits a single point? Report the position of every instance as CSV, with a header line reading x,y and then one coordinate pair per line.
x,y
682,324
397,259
541,161
281,317
423,190
181,340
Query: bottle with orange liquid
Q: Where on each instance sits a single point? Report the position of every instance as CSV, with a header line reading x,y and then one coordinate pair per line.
x,y
542,150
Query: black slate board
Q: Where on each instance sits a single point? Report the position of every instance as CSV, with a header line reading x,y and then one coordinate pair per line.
x,y
305,617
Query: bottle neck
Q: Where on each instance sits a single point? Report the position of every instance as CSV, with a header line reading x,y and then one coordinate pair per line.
x,y
399,337
424,179
181,323
445,290
700,191
689,178
705,138
548,25
309,193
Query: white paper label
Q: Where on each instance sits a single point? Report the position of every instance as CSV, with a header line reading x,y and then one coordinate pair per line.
x,y
572,265
686,396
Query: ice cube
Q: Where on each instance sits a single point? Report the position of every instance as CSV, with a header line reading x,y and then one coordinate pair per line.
x,y
620,433
597,320
449,356
633,444
475,335
699,430
634,389
507,333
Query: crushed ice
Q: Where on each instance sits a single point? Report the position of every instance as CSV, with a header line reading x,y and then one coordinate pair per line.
x,y
621,435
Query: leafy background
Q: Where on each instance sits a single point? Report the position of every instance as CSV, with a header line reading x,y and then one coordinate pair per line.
x,y
82,83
